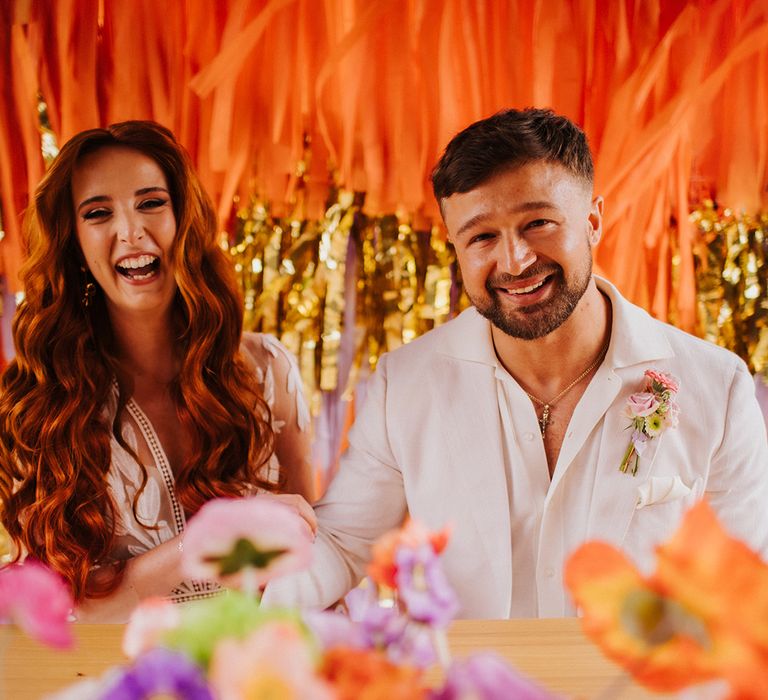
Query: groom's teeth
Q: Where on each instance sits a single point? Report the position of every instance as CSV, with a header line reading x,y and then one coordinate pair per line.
x,y
525,290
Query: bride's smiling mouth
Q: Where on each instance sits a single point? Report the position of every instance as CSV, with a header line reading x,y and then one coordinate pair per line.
x,y
138,268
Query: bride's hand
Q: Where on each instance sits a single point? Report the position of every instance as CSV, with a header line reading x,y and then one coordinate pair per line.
x,y
299,504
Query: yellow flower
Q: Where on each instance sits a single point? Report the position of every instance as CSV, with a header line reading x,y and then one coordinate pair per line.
x,y
654,424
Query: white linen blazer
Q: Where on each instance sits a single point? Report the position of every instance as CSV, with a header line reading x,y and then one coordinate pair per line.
x,y
427,442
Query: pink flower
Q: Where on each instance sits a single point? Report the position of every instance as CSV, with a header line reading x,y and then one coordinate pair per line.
x,y
148,624
641,404
667,381
38,601
274,661
258,534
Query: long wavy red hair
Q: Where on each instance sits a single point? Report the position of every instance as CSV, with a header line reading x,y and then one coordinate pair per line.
x,y
54,438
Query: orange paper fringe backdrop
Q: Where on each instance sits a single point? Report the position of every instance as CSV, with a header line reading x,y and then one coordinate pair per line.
x,y
669,93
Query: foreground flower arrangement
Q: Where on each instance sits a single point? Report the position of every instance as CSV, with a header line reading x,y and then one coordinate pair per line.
x,y
702,616
229,648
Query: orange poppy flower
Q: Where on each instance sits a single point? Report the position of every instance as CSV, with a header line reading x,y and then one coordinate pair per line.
x,y
367,674
725,583
702,615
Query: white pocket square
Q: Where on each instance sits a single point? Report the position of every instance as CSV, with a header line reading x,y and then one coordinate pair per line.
x,y
661,489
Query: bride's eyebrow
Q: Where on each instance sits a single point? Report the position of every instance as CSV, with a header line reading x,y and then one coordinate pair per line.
x,y
147,190
91,200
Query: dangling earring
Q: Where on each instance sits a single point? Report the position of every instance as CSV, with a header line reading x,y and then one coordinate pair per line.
x,y
89,291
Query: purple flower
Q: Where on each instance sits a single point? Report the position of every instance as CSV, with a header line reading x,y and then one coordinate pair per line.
x,y
160,672
333,629
486,676
38,601
639,438
423,587
416,647
380,626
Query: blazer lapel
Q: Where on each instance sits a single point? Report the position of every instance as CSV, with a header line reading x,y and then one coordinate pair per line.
x,y
594,404
615,494
637,341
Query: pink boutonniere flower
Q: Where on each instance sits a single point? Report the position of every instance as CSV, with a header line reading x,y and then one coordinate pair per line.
x,y
650,412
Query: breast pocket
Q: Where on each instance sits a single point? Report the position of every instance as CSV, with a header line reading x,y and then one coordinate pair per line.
x,y
661,503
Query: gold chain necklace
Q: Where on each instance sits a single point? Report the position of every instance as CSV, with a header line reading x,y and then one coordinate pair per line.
x,y
544,420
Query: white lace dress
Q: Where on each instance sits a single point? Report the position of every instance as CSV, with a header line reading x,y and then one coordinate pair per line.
x,y
276,371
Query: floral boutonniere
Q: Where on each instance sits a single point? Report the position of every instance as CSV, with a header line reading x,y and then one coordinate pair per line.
x,y
650,411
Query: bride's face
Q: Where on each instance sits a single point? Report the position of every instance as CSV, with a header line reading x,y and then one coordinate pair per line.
x,y
126,226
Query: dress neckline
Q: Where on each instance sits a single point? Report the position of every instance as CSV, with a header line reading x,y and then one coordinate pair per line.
x,y
161,460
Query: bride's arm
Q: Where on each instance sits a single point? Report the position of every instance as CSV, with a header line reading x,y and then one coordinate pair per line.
x,y
154,573
158,571
290,414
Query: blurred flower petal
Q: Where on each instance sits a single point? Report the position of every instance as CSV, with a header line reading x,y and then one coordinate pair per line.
x,y
38,601
486,676
629,619
368,673
380,625
333,629
412,535
148,623
227,535
702,615
205,623
160,672
275,661
423,586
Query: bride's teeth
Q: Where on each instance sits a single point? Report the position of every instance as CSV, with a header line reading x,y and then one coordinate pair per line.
x,y
525,290
141,261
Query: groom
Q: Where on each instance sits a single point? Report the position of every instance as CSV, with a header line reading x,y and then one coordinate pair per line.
x,y
511,421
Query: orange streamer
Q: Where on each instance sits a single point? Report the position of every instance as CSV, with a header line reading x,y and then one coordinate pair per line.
x,y
369,93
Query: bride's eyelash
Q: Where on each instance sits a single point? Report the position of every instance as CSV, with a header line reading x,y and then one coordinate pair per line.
x,y
153,203
99,213
102,212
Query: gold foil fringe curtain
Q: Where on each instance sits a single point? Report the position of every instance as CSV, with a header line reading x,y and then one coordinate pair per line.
x,y
341,291
731,280
380,283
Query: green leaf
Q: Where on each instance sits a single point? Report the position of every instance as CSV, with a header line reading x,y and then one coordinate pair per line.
x,y
206,622
242,555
